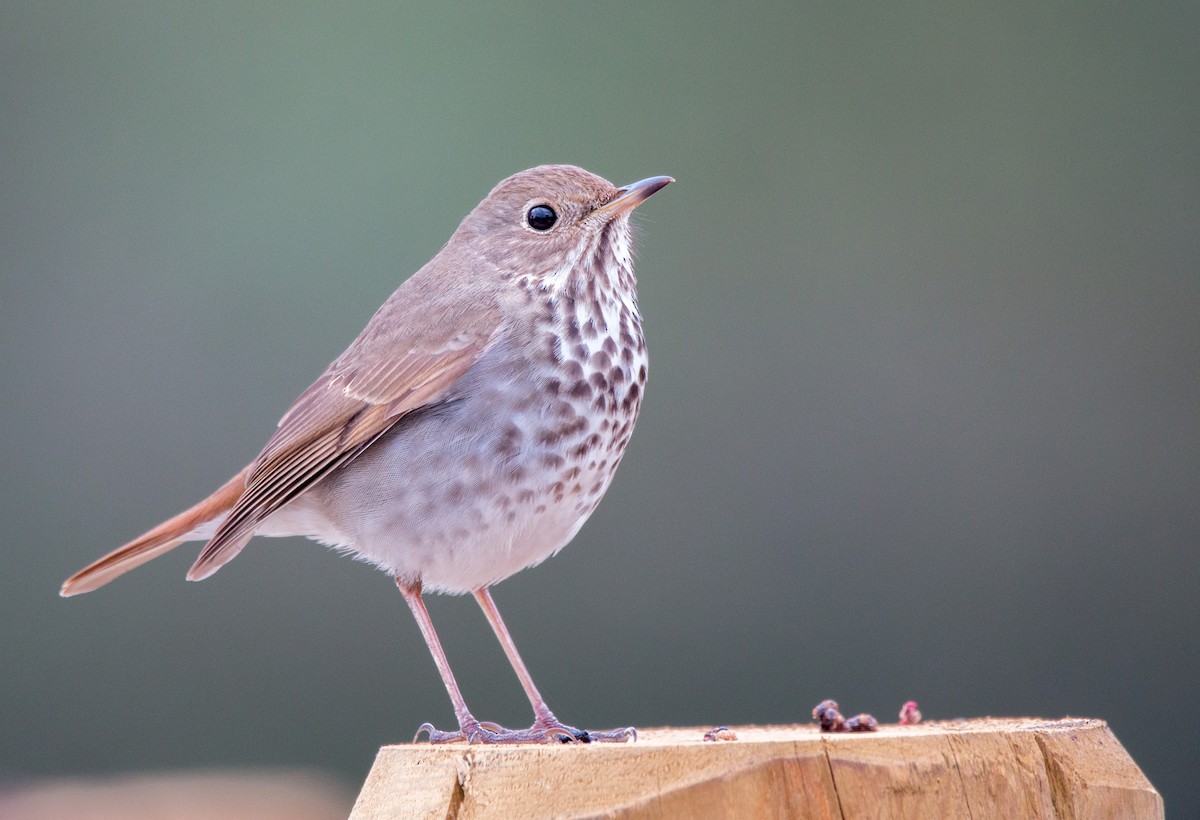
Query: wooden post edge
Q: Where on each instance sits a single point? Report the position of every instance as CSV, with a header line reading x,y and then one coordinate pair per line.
x,y
1068,768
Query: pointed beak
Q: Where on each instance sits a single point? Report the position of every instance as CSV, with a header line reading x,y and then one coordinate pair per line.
x,y
634,194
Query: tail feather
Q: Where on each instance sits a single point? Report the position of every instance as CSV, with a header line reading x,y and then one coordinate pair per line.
x,y
211,560
162,539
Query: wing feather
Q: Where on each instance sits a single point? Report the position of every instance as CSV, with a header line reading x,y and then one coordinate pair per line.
x,y
392,369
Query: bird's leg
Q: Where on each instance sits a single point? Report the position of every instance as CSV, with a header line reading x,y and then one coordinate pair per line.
x,y
545,728
469,729
545,725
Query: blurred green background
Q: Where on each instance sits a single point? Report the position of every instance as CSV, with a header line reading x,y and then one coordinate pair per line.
x,y
923,418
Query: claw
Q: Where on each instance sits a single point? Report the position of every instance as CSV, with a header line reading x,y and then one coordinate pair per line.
x,y
625,735
565,734
437,736
569,734
478,732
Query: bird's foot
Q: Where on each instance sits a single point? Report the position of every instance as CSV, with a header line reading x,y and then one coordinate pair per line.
x,y
553,729
542,731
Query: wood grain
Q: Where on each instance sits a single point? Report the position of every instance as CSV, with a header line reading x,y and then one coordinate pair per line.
x,y
1070,768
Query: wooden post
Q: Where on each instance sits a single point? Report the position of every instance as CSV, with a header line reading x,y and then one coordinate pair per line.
x,y
1016,768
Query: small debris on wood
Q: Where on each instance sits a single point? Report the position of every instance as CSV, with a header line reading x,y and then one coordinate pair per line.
x,y
720,733
826,713
862,723
910,715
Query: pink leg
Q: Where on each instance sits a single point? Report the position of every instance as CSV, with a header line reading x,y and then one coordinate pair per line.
x,y
484,597
544,720
469,727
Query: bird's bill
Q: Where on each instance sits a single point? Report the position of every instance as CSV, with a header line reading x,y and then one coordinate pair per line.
x,y
634,194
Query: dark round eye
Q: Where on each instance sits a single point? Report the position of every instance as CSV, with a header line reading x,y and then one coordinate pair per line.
x,y
541,217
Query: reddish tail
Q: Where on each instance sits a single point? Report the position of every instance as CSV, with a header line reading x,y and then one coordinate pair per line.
x,y
163,538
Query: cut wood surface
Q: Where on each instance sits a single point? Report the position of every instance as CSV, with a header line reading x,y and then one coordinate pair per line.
x,y
1070,768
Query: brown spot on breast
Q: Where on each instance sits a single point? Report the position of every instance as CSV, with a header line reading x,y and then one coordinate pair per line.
x,y
573,370
598,381
580,390
600,360
631,396
642,374
616,375
590,331
456,492
509,443
609,346
553,461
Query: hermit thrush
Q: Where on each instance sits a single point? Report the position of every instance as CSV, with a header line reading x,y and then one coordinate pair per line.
x,y
469,430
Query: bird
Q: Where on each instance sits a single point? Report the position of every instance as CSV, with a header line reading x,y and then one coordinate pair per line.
x,y
470,429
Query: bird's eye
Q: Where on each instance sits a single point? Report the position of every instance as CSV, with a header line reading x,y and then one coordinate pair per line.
x,y
541,217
